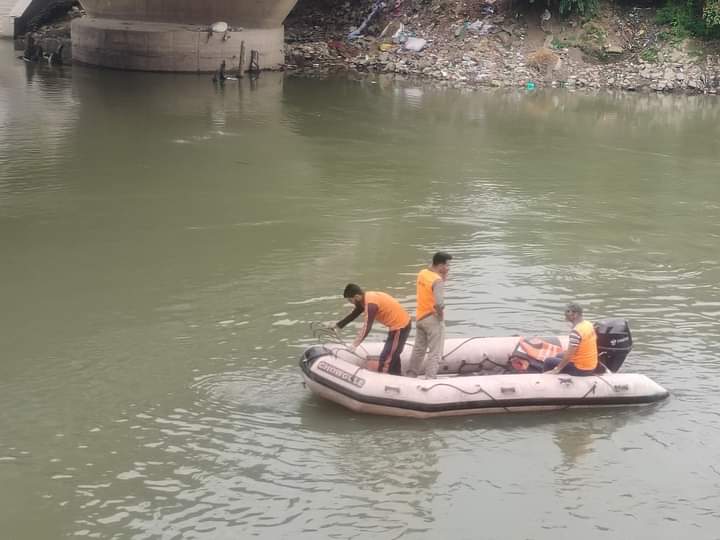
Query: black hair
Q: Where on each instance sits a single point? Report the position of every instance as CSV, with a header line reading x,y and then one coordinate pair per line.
x,y
575,308
351,290
441,258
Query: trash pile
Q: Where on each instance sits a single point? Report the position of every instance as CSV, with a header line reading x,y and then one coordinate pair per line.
x,y
470,43
402,36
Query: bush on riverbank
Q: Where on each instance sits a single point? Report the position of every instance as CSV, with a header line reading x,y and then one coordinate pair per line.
x,y
582,7
688,18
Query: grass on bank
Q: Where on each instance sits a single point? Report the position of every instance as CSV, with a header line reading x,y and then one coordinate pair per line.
x,y
688,18
685,18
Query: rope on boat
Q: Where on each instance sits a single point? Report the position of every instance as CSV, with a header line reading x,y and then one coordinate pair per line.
x,y
609,385
481,364
468,340
328,335
481,390
485,359
590,391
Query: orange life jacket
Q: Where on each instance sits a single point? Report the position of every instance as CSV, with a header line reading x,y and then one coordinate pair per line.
x,y
424,291
390,312
586,355
532,352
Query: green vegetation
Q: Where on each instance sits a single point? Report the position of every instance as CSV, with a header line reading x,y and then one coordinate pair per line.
x,y
711,13
649,55
688,18
592,40
582,7
595,32
563,42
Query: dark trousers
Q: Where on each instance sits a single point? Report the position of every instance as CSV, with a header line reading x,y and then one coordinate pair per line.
x,y
569,369
390,355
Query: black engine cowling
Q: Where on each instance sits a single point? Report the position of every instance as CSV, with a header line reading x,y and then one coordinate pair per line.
x,y
614,342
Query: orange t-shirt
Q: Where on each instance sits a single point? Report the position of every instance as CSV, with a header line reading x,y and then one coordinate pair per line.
x,y
424,290
390,312
584,337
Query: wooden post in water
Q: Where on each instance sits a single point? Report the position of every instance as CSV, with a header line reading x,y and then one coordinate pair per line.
x,y
241,62
254,62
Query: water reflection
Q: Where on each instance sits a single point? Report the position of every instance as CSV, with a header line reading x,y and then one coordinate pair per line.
x,y
37,113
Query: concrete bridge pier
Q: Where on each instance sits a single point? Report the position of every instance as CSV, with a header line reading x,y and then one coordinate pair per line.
x,y
173,35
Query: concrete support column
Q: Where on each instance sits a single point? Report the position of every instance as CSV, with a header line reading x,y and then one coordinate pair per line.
x,y
172,35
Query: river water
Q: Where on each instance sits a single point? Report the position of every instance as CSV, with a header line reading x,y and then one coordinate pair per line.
x,y
164,245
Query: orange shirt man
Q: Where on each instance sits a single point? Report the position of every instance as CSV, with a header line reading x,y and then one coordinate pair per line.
x,y
430,317
581,356
384,308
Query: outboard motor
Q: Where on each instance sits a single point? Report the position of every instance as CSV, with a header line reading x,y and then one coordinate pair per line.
x,y
614,342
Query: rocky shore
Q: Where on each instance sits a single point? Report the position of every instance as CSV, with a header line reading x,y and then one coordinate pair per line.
x,y
477,43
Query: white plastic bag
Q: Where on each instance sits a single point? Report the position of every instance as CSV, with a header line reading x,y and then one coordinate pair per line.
x,y
415,44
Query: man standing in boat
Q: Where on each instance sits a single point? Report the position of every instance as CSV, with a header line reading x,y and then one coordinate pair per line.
x,y
387,310
581,356
430,316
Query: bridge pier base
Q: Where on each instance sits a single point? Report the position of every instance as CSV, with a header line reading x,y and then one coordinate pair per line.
x,y
156,46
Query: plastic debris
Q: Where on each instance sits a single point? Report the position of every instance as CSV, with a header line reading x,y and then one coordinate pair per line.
x,y
480,28
400,36
377,6
415,44
219,27
391,29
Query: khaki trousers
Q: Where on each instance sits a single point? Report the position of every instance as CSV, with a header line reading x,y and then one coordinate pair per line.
x,y
430,337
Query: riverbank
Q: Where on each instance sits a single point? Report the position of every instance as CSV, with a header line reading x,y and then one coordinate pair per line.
x,y
476,43
471,44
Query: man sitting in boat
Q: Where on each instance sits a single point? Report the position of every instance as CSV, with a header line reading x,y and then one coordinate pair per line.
x,y
581,356
387,310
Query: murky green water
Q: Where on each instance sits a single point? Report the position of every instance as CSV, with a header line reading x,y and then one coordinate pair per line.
x,y
164,245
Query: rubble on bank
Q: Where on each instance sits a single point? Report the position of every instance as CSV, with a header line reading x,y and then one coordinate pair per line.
x,y
475,43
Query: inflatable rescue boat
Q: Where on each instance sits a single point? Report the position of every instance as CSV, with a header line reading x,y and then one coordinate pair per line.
x,y
480,375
